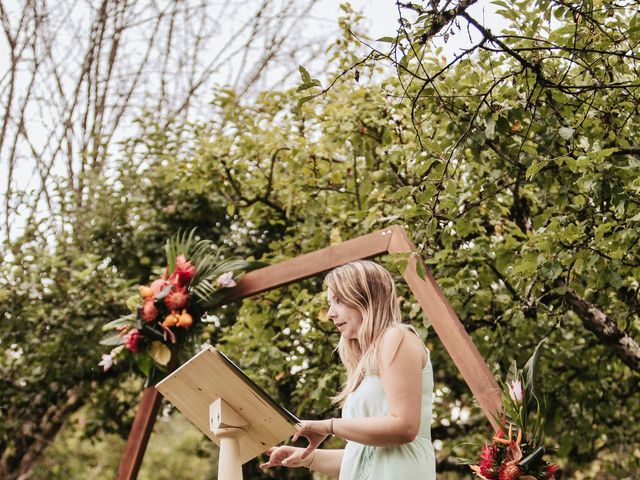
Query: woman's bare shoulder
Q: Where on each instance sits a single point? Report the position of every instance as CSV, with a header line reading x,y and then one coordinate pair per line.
x,y
400,339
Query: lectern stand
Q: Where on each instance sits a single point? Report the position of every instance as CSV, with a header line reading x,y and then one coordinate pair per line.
x,y
228,407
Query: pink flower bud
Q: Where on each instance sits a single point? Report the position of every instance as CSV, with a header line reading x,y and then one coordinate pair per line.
x,y
515,391
132,341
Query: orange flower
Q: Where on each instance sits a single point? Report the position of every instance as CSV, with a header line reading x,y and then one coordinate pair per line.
x,y
170,320
185,320
145,292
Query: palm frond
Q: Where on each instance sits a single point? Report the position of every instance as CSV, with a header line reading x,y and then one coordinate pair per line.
x,y
178,244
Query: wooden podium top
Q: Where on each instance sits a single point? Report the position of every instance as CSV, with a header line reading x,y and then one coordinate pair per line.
x,y
210,375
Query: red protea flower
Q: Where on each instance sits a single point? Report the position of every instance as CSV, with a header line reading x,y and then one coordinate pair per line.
x,y
509,471
176,298
551,471
132,341
184,270
149,311
487,462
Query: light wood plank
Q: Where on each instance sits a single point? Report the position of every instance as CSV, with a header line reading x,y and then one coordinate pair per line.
x,y
207,377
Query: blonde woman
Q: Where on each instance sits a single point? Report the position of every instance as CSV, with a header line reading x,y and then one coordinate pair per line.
x,y
386,400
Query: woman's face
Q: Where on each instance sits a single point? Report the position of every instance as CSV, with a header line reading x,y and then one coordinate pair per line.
x,y
346,319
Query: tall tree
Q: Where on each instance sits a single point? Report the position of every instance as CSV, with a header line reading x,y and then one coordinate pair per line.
x,y
75,76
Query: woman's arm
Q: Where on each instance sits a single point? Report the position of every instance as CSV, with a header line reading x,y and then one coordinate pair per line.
x,y
323,461
401,358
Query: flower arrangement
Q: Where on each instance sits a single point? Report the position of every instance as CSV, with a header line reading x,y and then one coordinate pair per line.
x,y
167,314
517,453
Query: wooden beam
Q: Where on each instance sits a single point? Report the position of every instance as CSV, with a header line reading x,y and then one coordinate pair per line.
x,y
450,331
139,435
310,264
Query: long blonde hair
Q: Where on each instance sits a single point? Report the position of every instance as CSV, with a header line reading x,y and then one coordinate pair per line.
x,y
370,289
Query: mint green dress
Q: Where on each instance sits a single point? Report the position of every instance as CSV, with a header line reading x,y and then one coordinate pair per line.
x,y
410,461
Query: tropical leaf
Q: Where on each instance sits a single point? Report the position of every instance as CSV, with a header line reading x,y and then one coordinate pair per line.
x,y
160,353
178,244
119,322
530,370
112,339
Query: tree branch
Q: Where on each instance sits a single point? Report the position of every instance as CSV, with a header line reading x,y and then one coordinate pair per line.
x,y
595,320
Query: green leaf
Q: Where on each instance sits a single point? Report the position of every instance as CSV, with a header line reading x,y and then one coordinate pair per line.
x,y
144,363
133,303
535,167
307,86
421,269
303,100
530,370
119,322
306,78
112,339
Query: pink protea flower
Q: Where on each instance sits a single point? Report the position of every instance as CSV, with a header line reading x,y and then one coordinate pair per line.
x,y
176,298
149,311
515,391
509,471
226,280
158,285
132,341
185,270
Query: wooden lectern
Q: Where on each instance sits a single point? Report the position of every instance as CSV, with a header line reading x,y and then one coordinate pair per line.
x,y
228,407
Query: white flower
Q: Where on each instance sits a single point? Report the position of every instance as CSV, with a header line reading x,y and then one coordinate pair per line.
x,y
107,361
226,280
515,391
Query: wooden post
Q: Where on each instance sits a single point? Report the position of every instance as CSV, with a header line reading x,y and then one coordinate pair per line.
x,y
450,331
228,427
139,435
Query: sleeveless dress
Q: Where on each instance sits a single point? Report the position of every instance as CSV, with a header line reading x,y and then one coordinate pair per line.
x,y
410,461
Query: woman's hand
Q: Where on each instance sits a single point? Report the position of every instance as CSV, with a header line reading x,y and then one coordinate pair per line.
x,y
286,456
315,431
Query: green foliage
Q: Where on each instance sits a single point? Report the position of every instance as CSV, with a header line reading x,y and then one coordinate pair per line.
x,y
519,185
175,447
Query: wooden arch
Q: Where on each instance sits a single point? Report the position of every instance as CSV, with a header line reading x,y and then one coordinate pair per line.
x,y
439,312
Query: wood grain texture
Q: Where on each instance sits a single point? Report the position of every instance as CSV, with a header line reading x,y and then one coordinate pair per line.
x,y
205,378
311,264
